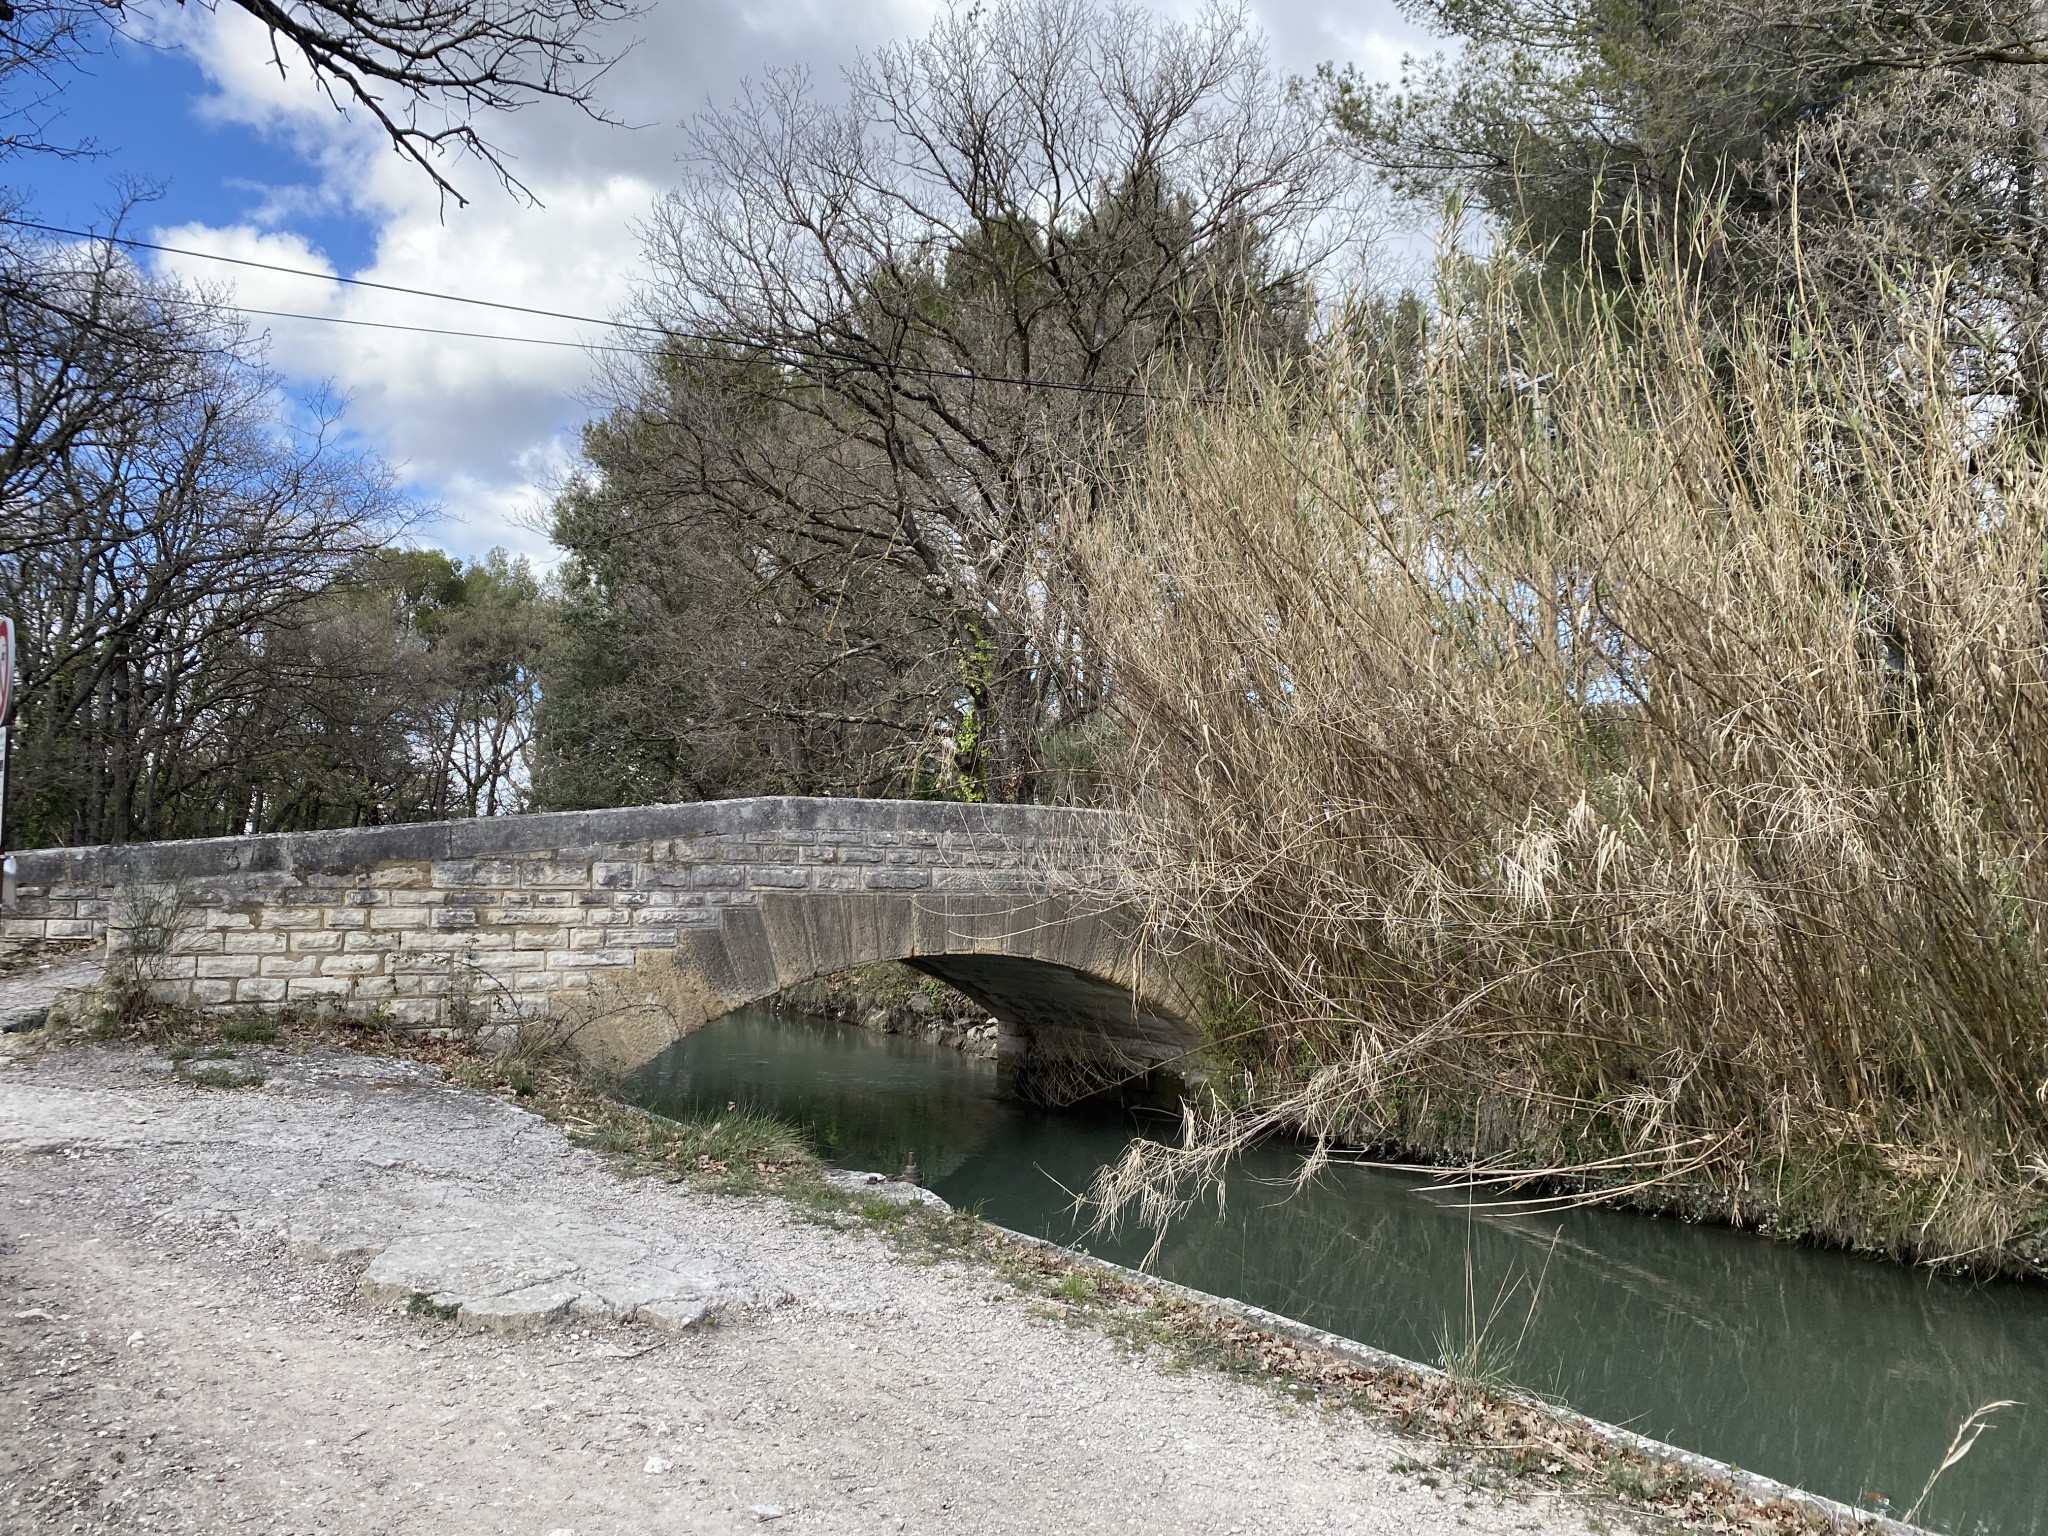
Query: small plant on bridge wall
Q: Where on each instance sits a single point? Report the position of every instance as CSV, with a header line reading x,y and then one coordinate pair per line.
x,y
970,765
142,935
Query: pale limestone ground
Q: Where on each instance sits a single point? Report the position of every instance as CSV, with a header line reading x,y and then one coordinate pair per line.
x,y
27,993
175,1356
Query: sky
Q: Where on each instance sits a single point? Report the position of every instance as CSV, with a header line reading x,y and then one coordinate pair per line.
x,y
242,162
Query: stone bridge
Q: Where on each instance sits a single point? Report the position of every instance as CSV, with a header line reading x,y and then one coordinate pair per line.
x,y
633,927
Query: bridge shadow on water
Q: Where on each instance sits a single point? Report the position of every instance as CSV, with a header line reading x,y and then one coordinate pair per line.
x,y
1838,1374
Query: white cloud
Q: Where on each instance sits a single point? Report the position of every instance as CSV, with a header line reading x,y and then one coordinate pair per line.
x,y
481,427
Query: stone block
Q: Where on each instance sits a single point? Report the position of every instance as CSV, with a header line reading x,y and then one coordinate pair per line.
x,y
643,938
313,988
449,919
417,901
346,917
611,876
225,967
258,941
587,959
350,965
363,942
836,880
553,872
773,878
413,962
716,877
388,918
223,921
70,928
364,898
260,989
899,879
211,994
980,880
289,965
320,941
514,962
454,873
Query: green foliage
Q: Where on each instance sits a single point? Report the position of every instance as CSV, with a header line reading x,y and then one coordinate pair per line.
x,y
421,1304
220,1075
417,677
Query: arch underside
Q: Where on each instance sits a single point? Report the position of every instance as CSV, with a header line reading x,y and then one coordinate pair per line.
x,y
1081,1004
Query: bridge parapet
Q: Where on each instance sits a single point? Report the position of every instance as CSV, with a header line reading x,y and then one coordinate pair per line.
x,y
636,925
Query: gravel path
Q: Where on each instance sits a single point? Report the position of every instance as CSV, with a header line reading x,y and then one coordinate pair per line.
x,y
204,1328
28,989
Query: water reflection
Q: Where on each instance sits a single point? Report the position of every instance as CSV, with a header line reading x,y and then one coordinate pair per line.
x,y
1838,1374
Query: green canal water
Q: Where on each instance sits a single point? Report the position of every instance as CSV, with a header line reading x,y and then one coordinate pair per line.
x,y
1834,1373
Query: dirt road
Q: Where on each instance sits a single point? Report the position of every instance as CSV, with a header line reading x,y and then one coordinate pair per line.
x,y
220,1312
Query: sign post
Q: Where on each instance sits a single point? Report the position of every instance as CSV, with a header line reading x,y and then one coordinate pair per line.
x,y
6,742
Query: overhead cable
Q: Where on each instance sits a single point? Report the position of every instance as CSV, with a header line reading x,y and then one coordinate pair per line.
x,y
798,349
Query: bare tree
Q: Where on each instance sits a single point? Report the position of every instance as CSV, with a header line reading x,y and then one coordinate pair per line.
x,y
961,280
161,518
424,70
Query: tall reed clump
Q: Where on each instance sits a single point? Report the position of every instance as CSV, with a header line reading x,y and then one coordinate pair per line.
x,y
1599,741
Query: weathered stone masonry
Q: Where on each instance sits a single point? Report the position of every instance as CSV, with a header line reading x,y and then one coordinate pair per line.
x,y
637,925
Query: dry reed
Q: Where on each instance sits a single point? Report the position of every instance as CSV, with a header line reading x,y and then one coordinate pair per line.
x,y
1607,744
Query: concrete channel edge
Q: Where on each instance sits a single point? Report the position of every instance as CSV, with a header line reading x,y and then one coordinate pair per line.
x,y
1840,1516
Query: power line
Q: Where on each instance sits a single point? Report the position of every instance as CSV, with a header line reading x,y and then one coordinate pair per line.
x,y
666,333
434,330
329,277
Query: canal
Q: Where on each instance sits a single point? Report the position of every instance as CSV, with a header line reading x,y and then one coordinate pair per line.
x,y
1834,1373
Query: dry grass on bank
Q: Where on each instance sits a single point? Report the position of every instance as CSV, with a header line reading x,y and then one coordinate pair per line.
x,y
1604,748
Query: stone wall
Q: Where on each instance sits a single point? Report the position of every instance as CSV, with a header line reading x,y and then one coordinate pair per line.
x,y
634,925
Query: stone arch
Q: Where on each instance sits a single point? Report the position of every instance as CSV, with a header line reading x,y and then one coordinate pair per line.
x,y
1080,1003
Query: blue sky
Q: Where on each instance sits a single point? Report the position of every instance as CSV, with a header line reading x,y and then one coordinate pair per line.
x,y
481,431
143,107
